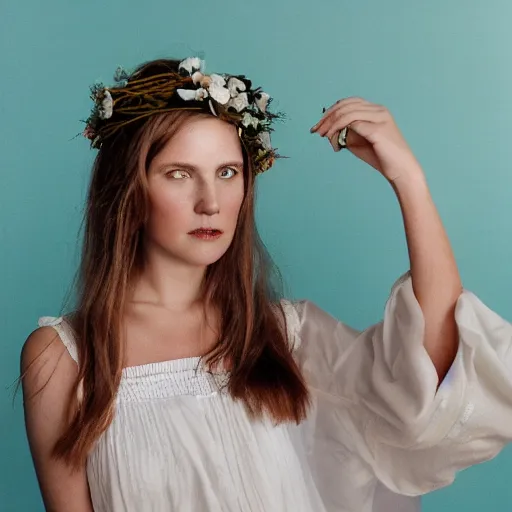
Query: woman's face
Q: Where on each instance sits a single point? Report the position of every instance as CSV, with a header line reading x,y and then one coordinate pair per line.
x,y
196,182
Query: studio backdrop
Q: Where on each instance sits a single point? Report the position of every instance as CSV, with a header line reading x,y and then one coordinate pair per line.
x,y
333,225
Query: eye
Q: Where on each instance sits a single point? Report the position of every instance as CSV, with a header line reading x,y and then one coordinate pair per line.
x,y
177,174
230,173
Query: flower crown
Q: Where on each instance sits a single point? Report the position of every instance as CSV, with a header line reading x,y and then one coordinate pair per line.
x,y
231,98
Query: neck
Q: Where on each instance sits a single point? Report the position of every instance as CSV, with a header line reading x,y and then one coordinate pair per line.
x,y
169,283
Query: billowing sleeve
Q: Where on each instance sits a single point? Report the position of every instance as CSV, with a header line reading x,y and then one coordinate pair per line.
x,y
377,390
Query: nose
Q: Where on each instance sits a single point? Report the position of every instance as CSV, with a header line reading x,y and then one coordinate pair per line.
x,y
207,202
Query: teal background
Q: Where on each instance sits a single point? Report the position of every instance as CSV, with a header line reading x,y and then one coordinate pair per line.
x,y
333,224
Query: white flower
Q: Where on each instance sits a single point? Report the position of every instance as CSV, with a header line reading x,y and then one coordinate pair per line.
x,y
262,101
235,86
218,79
191,65
205,81
249,120
186,94
192,94
264,138
219,94
107,105
197,77
218,90
201,94
239,102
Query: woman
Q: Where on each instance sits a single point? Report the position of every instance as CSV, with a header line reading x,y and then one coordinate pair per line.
x,y
182,382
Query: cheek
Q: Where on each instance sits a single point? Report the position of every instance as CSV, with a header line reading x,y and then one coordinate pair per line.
x,y
233,204
167,209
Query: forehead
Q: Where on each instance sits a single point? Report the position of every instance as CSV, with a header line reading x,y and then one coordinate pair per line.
x,y
202,141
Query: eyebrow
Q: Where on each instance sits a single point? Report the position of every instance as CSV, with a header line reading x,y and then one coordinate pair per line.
x,y
190,167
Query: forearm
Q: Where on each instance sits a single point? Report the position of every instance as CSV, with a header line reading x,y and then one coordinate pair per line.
x,y
435,277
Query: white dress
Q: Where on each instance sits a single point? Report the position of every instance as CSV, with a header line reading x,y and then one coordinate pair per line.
x,y
179,443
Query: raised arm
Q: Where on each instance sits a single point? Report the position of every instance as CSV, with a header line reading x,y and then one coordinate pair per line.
x,y
374,138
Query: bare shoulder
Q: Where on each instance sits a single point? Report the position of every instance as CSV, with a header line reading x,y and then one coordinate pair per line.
x,y
44,358
48,376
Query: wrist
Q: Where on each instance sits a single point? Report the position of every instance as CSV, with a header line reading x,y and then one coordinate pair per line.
x,y
411,182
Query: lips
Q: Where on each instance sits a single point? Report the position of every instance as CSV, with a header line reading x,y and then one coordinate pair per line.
x,y
205,231
206,234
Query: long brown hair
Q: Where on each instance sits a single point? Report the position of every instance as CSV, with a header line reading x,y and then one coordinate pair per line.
x,y
241,285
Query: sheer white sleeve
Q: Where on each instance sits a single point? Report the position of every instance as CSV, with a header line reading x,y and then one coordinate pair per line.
x,y
377,395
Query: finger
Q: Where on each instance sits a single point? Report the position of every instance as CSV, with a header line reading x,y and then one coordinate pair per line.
x,y
353,100
342,111
363,128
347,120
340,103
343,119
346,108
333,108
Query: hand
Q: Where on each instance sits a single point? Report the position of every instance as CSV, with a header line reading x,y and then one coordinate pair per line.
x,y
373,136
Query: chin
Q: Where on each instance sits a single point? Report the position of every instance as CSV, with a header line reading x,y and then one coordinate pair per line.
x,y
206,257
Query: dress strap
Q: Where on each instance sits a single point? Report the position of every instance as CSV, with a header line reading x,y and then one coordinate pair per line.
x,y
292,323
64,331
